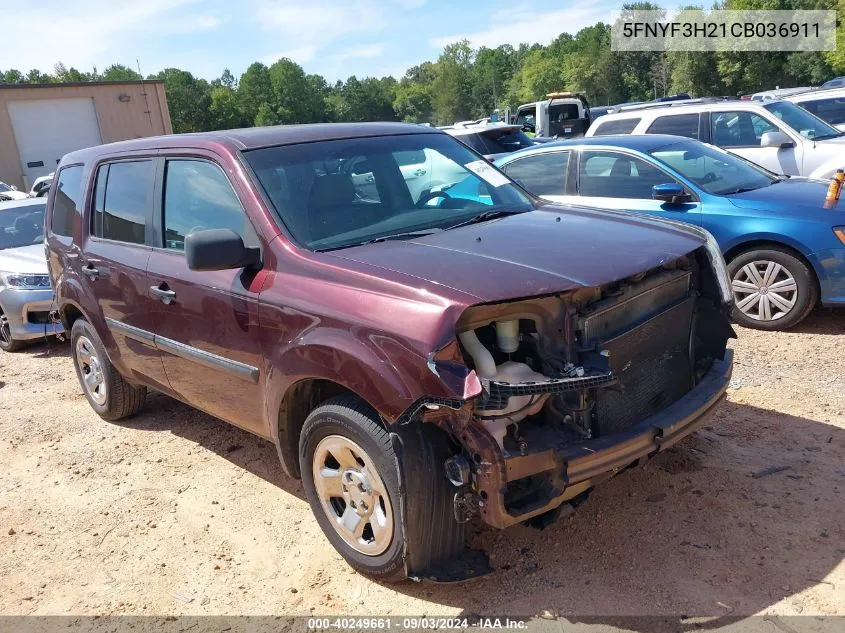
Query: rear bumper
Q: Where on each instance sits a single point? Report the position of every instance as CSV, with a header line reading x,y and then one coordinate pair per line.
x,y
575,469
25,310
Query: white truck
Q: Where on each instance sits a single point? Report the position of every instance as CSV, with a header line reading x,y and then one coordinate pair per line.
x,y
560,115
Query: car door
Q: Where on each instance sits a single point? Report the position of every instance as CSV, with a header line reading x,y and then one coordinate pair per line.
x,y
112,266
618,180
206,323
741,133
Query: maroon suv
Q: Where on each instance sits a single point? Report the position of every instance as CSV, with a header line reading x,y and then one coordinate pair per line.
x,y
420,344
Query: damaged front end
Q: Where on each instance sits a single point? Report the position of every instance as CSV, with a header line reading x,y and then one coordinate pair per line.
x,y
569,389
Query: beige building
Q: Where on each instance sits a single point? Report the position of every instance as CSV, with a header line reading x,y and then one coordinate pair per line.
x,y
40,123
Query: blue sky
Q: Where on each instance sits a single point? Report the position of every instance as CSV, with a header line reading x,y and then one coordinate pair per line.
x,y
335,38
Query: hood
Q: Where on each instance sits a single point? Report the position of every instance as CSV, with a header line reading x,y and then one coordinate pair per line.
x,y
28,260
553,249
790,197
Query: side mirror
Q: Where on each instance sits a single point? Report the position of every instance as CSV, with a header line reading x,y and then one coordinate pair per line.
x,y
670,192
776,139
14,188
219,249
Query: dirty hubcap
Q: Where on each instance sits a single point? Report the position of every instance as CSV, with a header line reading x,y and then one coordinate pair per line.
x,y
764,291
91,370
353,495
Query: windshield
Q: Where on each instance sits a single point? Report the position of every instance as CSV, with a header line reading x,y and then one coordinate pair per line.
x,y
801,121
5,187
21,226
713,170
334,194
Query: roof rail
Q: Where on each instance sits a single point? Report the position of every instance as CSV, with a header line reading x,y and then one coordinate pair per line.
x,y
665,104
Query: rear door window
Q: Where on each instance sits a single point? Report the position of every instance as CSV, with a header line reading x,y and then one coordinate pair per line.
x,y
618,126
66,202
542,174
122,201
676,124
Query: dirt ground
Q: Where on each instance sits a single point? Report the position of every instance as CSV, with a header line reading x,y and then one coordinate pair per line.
x,y
174,512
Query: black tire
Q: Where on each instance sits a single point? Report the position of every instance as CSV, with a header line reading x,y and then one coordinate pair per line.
x,y
7,343
122,398
805,298
425,532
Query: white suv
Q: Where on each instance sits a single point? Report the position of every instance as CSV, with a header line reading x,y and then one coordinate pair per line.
x,y
828,105
777,135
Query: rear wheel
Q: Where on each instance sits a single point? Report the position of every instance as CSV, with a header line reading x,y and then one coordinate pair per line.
x,y
351,470
773,289
7,343
108,393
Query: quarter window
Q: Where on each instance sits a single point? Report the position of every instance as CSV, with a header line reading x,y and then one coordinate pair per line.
x,y
122,200
66,202
619,126
542,174
614,175
198,196
739,129
677,124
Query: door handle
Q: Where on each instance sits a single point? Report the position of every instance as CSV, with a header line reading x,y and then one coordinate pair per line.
x,y
92,272
419,172
164,293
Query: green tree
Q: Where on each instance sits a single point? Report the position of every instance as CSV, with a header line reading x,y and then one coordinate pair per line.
x,y
254,89
452,85
412,102
224,111
12,77
119,72
188,100
295,98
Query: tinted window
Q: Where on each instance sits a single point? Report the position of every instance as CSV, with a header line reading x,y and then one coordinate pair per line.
x,y
830,110
21,225
318,189
619,126
739,129
613,175
66,202
542,174
197,196
678,124
500,141
122,200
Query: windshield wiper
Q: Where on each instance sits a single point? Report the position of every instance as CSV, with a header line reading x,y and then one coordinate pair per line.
x,y
484,217
402,236
741,190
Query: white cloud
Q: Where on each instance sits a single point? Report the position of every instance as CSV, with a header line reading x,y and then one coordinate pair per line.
x,y
523,25
372,50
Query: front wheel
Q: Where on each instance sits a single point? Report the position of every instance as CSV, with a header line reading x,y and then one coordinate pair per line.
x,y
7,342
773,289
351,471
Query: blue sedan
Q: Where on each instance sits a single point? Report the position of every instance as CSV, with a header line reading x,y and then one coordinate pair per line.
x,y
785,251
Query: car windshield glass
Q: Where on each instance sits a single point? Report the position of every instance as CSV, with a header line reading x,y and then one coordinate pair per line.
x,y
21,226
338,193
5,187
801,121
713,170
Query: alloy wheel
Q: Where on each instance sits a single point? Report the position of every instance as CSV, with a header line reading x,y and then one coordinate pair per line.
x,y
764,290
91,370
353,495
5,330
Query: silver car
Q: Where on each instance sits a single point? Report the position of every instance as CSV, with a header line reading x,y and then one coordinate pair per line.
x,y
25,294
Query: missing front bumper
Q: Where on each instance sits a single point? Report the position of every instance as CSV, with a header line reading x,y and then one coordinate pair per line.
x,y
561,474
